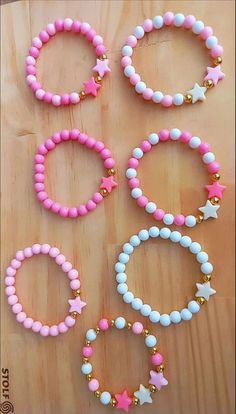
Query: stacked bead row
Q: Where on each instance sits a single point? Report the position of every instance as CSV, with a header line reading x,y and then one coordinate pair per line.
x,y
108,183
214,190
13,300
123,401
204,290
205,33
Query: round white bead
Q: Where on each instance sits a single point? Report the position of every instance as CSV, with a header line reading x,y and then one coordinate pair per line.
x,y
175,317
122,288
179,19
154,231
168,219
158,22
150,341
157,97
121,277
198,27
137,153
131,173
194,142
193,306
178,99
153,138
91,335
120,322
129,71
211,41
195,248
185,241
150,207
190,221
186,315
202,257
105,398
175,134
165,233
175,236
137,304
86,369
136,192
127,50
208,157
123,258
128,297
139,32
140,87
207,268
165,320
154,317
145,310
143,235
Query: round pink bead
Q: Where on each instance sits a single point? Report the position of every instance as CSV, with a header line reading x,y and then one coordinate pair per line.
x,y
135,78
68,24
10,271
65,135
105,153
39,158
20,317
49,144
36,248
9,281
97,40
158,214
164,135
179,219
103,324
60,259
30,60
30,79
157,359
44,331
54,252
82,138
31,70
20,255
213,167
82,210
28,252
36,326
185,137
42,195
133,183
64,211
74,133
168,18
73,213
28,322
206,32
73,274
53,330
56,207
145,146
189,21
85,27
69,321
142,201
126,61
216,51
35,86
48,97
59,25
44,36
97,198
100,50
33,51
56,137
204,147
45,248
56,100
66,267
133,163
99,146
74,98
91,205
148,25
10,290
62,328
48,203
93,385
40,94
39,187
87,351
132,41
167,101
137,328
90,35
51,30
65,99
90,142
16,264
147,94
75,284
39,168
42,149
37,43
17,308
12,299
109,163
39,178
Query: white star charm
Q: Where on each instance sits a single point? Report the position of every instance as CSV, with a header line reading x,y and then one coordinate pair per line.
x,y
209,210
204,290
144,395
198,93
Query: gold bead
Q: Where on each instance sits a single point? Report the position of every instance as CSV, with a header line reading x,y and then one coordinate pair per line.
x,y
188,98
208,83
160,368
97,394
153,351
129,325
217,61
145,332
98,79
103,192
199,218
87,343
74,314
135,401
89,377
215,177
206,278
112,323
82,95
215,200
76,292
85,360
103,57
113,402
111,171
97,330
201,300
152,388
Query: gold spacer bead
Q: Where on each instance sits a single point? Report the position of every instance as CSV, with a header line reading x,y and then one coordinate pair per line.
x,y
160,368
215,177
112,323
74,314
82,95
129,325
145,332
89,377
153,351
152,388
201,300
188,98
113,402
208,83
135,401
99,79
214,200
97,394
206,278
97,330
85,360
87,343
199,218
217,61
103,57
111,171
104,192
76,292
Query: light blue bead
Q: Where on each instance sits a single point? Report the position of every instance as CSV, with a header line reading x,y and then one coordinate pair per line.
x,y
150,207
129,71
175,134
194,142
158,22
137,153
150,341
137,304
179,19
127,50
105,398
119,267
193,306
131,173
143,235
120,322
123,258
207,268
165,320
190,221
186,315
86,369
202,257
175,236
178,99
121,277
145,310
157,96
175,317
91,335
140,87
127,248
211,42
198,27
139,32
195,248
154,231
153,138
168,219
165,233
136,192
128,297
154,317
208,157
185,241
122,288
134,240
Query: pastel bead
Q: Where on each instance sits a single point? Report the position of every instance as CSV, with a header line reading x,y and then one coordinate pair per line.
x,y
185,137
120,323
129,71
208,157
175,317
143,235
123,258
59,25
127,248
164,135
75,284
202,257
36,326
213,167
153,138
194,142
157,97
142,201
20,317
28,322
179,220
167,101
139,32
204,148
140,87
159,214
53,330
150,341
119,267
128,297
86,369
207,268
175,134
165,320
148,25
135,78
105,398
154,231
168,219
9,281
72,274
206,32
216,51
11,271
158,22
157,359
189,21
137,153
69,321
147,94
154,317
137,304
68,24
190,221
51,30
211,41
60,259
185,241
62,328
127,51
178,99
132,41
43,35
193,306
56,100
165,233
66,267
10,290
103,324
12,300
168,18
131,173
122,288
136,193
126,61
87,351
137,328
198,26
195,248
91,335
175,236
150,207
186,315
93,385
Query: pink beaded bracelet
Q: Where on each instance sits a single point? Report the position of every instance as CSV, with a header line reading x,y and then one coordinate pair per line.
x,y
214,189
123,401
76,304
91,87
205,33
106,187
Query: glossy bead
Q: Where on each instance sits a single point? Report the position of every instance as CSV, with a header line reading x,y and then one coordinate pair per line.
x,y
86,369
91,335
157,359
207,268
165,320
154,316
150,341
193,306
137,328
120,323
139,32
105,398
165,233
93,385
190,221
154,231
137,304
195,248
158,22
186,315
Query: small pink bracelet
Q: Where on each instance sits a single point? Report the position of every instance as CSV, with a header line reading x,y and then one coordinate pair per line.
x,y
76,304
215,190
106,187
91,87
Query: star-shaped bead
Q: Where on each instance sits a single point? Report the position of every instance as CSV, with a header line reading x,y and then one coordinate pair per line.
x,y
108,183
91,87
209,210
198,93
102,67
76,305
205,290
214,74
157,379
215,190
144,395
123,401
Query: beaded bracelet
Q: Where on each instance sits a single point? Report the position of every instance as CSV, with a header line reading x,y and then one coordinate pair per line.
x,y
204,290
214,189
123,401
91,87
106,187
76,304
197,93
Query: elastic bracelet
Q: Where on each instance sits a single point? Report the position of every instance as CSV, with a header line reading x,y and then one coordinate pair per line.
x,y
107,184
76,304
204,289
91,87
215,190
123,400
205,33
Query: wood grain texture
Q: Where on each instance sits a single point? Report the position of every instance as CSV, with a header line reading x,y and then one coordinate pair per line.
x,y
45,375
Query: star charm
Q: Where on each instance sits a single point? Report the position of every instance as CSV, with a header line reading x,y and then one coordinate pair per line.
x,y
209,210
102,67
91,87
198,93
215,190
144,395
204,290
108,183
157,379
123,401
76,305
214,74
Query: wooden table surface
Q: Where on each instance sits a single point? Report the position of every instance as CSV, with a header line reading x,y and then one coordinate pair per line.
x,y
45,375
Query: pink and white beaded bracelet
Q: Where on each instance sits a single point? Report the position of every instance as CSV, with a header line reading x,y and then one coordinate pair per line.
x,y
205,33
123,401
91,87
76,304
215,190
107,184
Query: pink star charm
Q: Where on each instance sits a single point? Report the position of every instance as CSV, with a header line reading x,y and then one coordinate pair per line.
x,y
123,401
108,183
214,74
91,87
157,379
215,190
76,305
102,67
